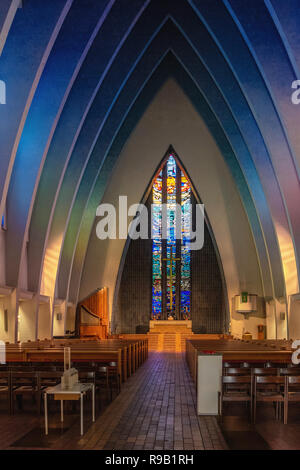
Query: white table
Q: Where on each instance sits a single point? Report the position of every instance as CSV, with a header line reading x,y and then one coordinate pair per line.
x,y
75,393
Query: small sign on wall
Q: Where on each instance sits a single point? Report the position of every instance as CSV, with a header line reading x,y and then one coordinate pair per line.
x,y
244,297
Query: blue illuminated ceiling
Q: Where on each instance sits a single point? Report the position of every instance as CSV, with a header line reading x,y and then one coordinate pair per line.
x,y
79,75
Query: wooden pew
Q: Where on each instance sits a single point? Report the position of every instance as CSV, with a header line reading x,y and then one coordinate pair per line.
x,y
237,350
128,354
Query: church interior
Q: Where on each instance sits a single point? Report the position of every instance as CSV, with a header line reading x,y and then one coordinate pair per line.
x,y
149,191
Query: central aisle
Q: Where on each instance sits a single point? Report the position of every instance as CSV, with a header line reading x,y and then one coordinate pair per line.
x,y
155,410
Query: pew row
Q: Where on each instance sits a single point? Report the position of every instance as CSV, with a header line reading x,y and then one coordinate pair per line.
x,y
236,351
127,354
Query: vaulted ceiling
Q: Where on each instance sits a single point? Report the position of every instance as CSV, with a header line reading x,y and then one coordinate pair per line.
x,y
80,73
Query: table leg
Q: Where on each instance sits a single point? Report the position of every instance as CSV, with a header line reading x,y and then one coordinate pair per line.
x,y
81,414
93,402
46,414
62,411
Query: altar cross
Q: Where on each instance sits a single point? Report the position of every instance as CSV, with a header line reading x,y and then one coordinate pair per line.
x,y
171,259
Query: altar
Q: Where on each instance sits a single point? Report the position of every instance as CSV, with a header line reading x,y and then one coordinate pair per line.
x,y
170,326
169,335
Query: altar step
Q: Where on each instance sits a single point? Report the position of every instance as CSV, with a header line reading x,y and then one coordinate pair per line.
x,y
168,342
170,327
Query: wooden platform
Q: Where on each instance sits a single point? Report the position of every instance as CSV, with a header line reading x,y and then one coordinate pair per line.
x,y
173,339
170,326
169,335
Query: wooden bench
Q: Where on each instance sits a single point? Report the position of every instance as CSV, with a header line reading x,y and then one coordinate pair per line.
x,y
128,354
236,351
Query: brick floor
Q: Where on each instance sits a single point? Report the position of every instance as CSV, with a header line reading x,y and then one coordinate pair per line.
x,y
156,409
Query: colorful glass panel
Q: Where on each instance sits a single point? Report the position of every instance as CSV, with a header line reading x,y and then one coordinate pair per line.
x,y
185,278
173,174
157,247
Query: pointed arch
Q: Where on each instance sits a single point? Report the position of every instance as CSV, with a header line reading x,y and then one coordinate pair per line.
x,y
167,288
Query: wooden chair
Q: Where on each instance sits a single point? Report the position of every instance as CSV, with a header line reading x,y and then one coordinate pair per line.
x,y
83,366
271,389
249,365
5,387
289,371
22,368
269,365
265,371
241,391
227,364
245,365
102,380
238,371
292,393
24,383
46,368
47,379
114,376
87,377
272,365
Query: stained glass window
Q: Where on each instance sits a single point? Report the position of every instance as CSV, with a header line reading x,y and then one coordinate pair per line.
x,y
157,247
172,187
171,241
185,291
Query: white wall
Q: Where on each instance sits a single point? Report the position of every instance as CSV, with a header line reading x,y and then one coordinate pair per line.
x,y
59,325
172,119
281,323
70,318
44,321
4,304
27,320
241,323
23,275
271,320
294,318
8,302
2,257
